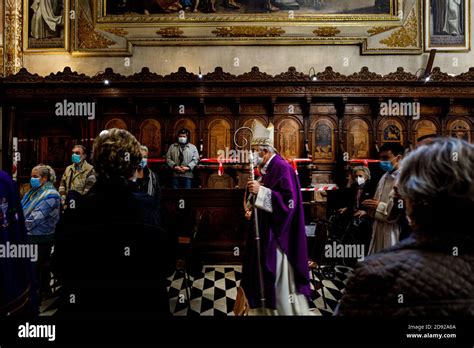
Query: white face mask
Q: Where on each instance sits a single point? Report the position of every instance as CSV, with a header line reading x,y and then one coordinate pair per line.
x,y
182,140
257,160
360,180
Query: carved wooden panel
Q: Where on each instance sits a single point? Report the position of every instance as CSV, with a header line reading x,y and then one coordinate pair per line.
x,y
150,136
358,141
219,137
55,150
217,109
323,109
289,138
391,130
460,128
424,127
189,124
252,109
116,123
323,140
216,181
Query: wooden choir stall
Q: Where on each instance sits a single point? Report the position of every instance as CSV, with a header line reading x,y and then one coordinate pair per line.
x,y
326,119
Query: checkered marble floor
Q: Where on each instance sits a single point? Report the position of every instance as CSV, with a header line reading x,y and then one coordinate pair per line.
x,y
213,293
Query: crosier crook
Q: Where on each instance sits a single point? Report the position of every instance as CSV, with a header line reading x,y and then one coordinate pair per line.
x,y
257,231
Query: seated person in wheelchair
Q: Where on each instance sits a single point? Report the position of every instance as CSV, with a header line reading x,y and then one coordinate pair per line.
x,y
354,213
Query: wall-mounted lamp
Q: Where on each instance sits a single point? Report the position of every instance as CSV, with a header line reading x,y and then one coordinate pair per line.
x,y
313,76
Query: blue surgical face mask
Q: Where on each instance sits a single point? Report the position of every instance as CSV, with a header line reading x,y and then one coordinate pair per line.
x,y
35,182
75,158
386,166
143,163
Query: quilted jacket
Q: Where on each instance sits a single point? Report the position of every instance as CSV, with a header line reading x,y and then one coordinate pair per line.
x,y
417,277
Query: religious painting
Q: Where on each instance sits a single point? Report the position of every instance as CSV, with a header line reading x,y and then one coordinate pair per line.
x,y
46,25
219,138
116,123
391,131
1,40
358,139
288,144
236,7
447,25
324,150
379,26
150,136
424,127
459,129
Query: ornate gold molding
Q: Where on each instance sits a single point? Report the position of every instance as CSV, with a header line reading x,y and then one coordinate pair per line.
x,y
170,32
405,36
250,31
13,36
116,31
88,37
1,61
326,31
378,30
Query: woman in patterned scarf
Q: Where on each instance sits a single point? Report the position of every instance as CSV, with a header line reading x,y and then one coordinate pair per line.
x,y
41,207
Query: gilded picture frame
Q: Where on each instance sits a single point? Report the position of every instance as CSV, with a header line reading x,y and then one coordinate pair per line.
x,y
46,26
99,31
447,25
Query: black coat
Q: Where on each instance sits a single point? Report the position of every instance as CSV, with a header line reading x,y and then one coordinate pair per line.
x,y
417,277
111,254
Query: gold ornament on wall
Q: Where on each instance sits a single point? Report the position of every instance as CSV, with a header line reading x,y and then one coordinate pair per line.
x,y
172,32
378,30
326,31
116,31
244,31
88,37
405,36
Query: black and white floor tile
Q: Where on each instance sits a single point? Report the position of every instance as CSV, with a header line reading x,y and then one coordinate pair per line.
x,y
213,293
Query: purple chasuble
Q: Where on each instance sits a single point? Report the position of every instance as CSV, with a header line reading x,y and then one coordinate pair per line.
x,y
284,228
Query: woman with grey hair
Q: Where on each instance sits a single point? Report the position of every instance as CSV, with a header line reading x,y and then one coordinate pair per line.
x,y
354,213
41,207
147,180
429,273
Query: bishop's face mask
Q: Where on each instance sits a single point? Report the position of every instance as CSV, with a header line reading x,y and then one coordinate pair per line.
x,y
257,160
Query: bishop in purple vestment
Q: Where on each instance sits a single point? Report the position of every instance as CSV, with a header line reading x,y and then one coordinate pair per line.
x,y
284,256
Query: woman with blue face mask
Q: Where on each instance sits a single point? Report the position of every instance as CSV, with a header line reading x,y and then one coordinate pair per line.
x,y
147,180
41,208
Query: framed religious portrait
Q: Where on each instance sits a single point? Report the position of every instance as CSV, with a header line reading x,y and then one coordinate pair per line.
x,y
46,25
358,140
459,128
323,141
108,27
447,25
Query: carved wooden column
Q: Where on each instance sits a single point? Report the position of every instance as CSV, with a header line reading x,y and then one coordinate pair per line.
x,y
13,37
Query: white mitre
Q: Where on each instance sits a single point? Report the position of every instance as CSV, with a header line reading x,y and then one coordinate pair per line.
x,y
261,135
